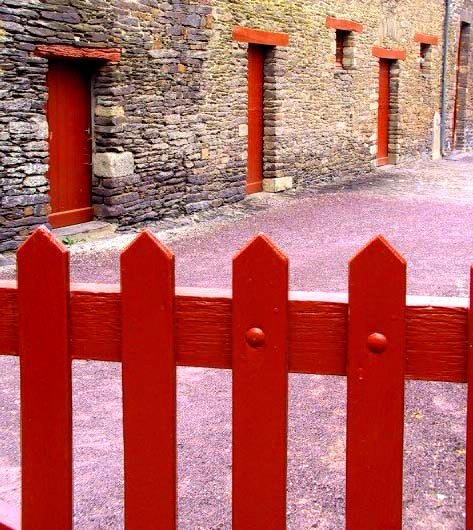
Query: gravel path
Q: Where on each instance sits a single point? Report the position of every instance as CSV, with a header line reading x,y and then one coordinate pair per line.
x,y
424,209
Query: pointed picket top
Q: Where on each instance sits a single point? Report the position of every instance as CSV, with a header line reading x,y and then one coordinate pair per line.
x,y
146,241
41,241
45,379
260,247
42,257
149,384
260,381
378,252
375,387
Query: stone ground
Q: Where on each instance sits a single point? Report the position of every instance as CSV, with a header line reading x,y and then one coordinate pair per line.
x,y
424,209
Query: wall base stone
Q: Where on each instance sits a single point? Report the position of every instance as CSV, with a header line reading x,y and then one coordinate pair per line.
x,y
277,184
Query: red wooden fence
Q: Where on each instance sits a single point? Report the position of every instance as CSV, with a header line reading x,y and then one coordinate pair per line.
x,y
261,332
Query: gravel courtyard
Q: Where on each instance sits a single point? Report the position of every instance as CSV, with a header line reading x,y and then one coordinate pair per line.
x,y
424,209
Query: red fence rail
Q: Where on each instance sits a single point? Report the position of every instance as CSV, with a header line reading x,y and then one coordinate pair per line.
x,y
260,331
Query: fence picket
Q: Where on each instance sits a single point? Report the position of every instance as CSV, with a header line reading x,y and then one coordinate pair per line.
x,y
46,393
375,393
260,384
149,384
469,424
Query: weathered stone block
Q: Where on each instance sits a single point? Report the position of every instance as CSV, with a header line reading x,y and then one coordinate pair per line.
x,y
114,111
243,129
35,182
275,185
111,165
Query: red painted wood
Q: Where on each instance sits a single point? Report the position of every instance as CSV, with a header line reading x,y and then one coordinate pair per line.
x,y
389,53
343,24
438,344
469,422
70,146
375,392
256,56
260,382
149,385
60,51
383,112
437,330
424,38
46,396
71,217
257,36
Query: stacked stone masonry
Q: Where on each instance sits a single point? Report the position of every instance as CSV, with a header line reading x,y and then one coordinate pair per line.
x,y
170,127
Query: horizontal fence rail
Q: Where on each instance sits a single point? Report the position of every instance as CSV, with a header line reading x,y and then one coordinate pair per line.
x,y
436,330
376,336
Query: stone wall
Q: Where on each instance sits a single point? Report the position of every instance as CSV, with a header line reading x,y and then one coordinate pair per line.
x,y
149,158
170,118
326,120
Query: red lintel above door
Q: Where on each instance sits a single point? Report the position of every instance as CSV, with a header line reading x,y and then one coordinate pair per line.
x,y
343,24
389,53
424,38
58,51
257,36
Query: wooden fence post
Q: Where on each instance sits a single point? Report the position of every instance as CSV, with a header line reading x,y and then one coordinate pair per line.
x,y
260,381
375,394
46,393
149,384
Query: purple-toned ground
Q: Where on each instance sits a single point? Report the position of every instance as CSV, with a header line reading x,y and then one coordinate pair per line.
x,y
425,210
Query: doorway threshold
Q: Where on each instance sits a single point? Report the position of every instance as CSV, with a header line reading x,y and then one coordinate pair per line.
x,y
458,155
89,231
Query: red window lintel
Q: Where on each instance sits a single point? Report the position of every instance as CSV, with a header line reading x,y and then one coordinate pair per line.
x,y
59,51
389,53
425,38
344,25
257,36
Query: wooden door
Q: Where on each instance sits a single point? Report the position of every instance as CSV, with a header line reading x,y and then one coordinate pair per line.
x,y
383,112
255,118
70,146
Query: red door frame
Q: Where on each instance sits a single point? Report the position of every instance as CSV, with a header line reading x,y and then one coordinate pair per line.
x,y
386,56
70,117
383,112
258,44
256,57
70,142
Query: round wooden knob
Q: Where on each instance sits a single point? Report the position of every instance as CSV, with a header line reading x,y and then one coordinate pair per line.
x,y
255,337
377,343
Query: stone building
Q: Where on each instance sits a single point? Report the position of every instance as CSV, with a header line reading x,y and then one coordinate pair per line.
x,y
132,110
